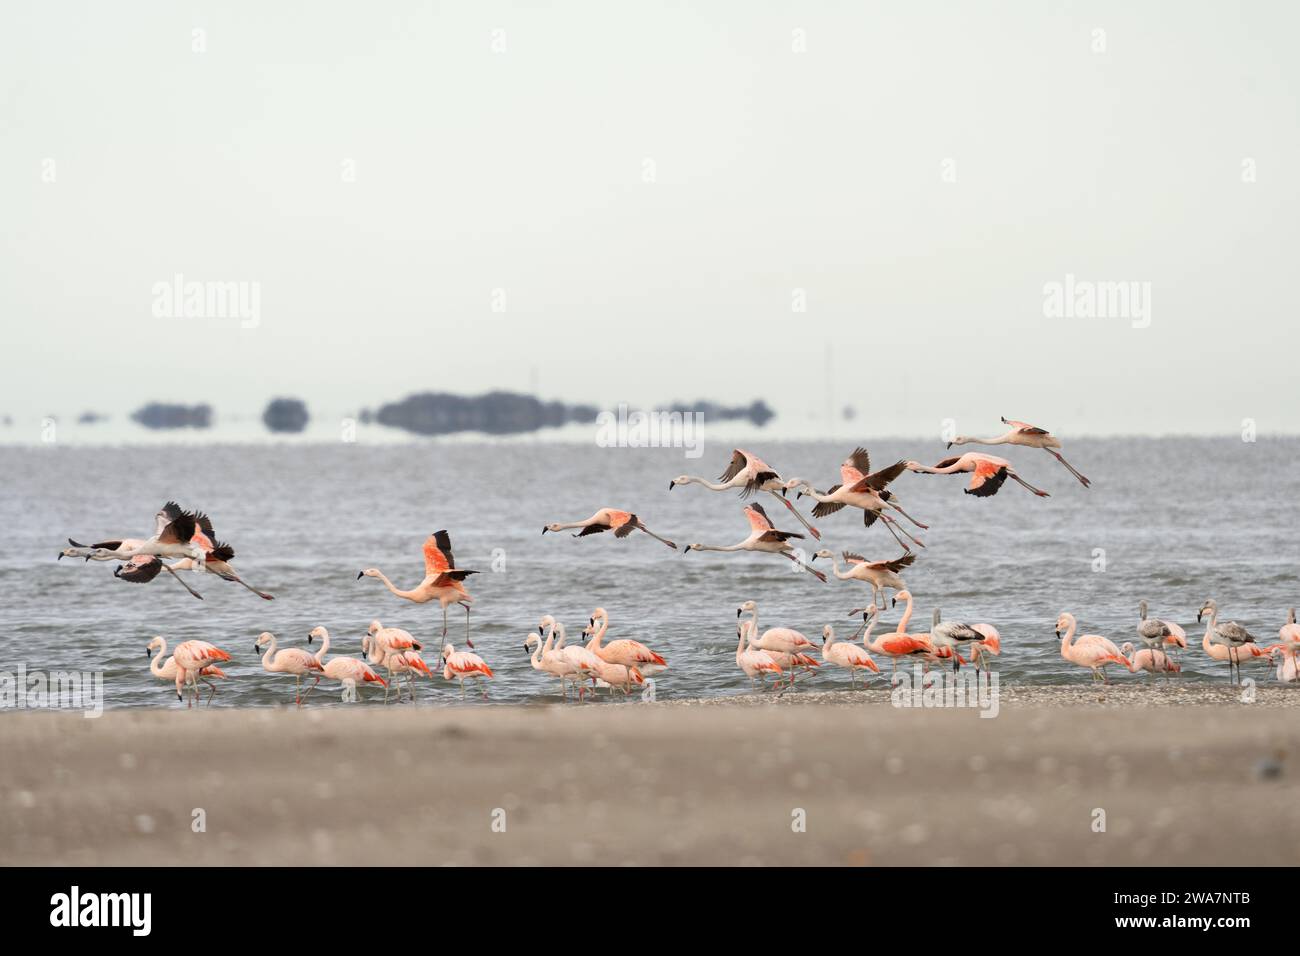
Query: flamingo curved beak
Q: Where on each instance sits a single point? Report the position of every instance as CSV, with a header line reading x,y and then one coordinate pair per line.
x,y
360,575
671,485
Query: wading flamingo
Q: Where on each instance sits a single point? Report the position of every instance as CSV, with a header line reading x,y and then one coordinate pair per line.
x,y
846,654
1229,635
1290,632
164,668
1157,634
1288,662
952,635
898,645
584,662
879,574
988,473
990,643
397,663
748,474
861,488
442,580
603,673
623,651
1028,436
1091,650
346,670
191,658
288,660
763,537
457,665
754,662
545,660
622,522
788,647
1151,661
173,529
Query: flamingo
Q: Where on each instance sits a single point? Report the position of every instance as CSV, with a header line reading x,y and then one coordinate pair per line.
x,y
1221,652
861,488
191,658
846,654
603,673
952,635
990,643
1028,436
753,661
787,646
879,574
1091,650
763,537
457,665
1290,631
623,523
150,566
287,660
988,473
545,660
1229,634
346,670
1288,664
442,580
164,667
583,662
749,474
898,645
397,663
1151,661
1156,633
623,651
173,530
144,568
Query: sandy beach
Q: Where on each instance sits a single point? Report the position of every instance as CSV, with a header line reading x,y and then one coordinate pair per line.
x,y
1184,775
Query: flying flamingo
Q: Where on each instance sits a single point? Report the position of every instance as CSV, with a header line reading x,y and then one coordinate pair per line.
x,y
1151,661
846,654
623,523
952,635
988,473
192,658
879,574
753,661
164,667
287,660
144,568
396,651
457,665
623,651
173,529
763,537
1091,650
442,580
898,645
1028,436
1156,633
545,660
861,488
748,474
1229,634
346,670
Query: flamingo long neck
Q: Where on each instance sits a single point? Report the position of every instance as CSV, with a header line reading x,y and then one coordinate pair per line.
x,y
155,665
393,587
536,657
692,480
594,643
907,615
999,440
835,568
866,636
716,547
1069,636
324,646
1209,628
268,659
830,638
559,635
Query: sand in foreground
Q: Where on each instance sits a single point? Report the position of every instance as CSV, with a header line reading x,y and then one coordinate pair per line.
x,y
1215,782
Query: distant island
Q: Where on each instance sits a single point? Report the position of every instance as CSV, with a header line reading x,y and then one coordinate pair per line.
x,y
163,415
507,413
285,415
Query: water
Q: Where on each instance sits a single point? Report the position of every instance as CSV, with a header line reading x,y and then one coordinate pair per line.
x,y
1178,520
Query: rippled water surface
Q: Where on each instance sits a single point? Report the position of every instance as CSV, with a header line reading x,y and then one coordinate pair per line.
x,y
1176,521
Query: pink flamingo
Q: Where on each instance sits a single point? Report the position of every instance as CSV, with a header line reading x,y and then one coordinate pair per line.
x,y
879,574
1156,633
164,667
1288,662
457,665
846,654
861,488
346,670
396,651
897,645
584,662
990,643
288,660
623,524
1091,650
1027,436
748,473
763,537
753,661
1229,640
788,647
547,661
191,658
623,651
173,530
1290,632
1151,661
988,473
442,580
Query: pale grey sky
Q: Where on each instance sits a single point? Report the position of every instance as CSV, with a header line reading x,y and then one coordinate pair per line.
x,y
524,169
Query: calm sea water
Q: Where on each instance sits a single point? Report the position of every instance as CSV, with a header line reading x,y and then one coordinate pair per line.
x,y
1177,520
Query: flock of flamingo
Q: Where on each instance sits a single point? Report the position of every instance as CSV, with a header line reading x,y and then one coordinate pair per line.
x,y
392,656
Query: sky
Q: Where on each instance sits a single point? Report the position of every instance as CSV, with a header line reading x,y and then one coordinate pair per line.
x,y
817,204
